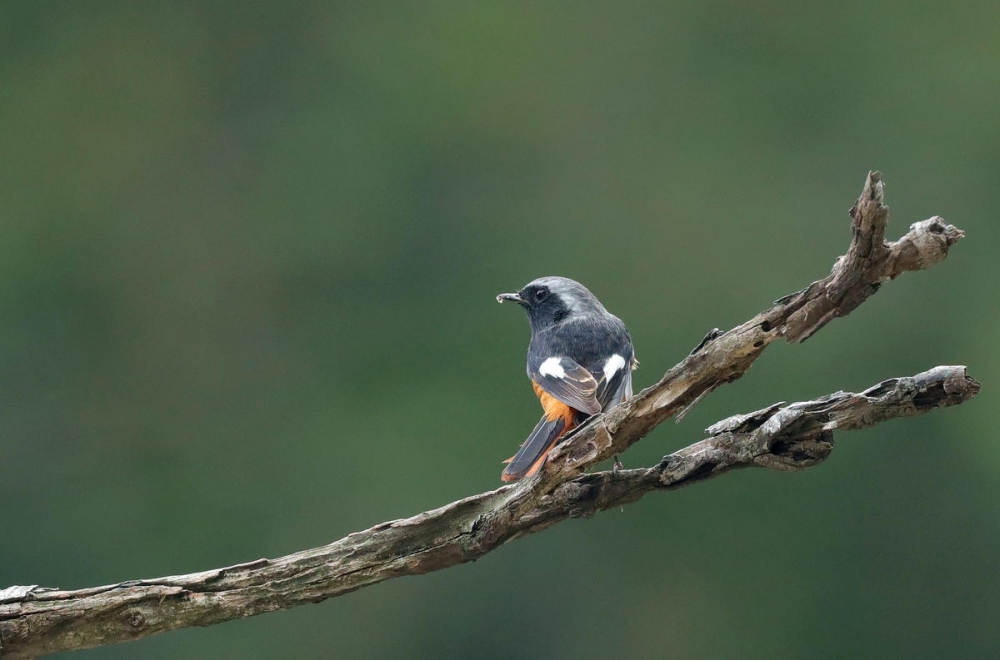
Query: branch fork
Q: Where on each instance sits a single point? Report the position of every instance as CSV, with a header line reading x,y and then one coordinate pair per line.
x,y
36,621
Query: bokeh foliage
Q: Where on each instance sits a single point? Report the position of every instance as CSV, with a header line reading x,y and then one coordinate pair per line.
x,y
247,259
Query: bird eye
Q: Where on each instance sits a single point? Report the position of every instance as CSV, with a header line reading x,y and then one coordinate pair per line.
x,y
541,294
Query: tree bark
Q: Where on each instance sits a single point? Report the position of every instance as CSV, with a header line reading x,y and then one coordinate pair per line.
x,y
36,621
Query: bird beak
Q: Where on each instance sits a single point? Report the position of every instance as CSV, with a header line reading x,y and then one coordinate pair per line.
x,y
510,296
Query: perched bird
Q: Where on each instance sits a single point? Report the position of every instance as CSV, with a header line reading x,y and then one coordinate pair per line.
x,y
580,360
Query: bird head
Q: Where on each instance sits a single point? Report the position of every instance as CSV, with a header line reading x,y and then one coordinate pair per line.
x,y
551,300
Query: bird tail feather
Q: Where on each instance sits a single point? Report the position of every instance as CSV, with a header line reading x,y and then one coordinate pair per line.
x,y
530,457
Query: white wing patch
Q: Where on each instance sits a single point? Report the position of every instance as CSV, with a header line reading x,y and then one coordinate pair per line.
x,y
611,367
553,367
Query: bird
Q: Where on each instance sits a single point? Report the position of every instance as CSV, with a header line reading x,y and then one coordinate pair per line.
x,y
580,362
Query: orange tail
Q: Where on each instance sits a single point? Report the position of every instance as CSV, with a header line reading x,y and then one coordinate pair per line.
x,y
531,456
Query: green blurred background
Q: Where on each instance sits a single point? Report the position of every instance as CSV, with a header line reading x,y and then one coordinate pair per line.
x,y
248,254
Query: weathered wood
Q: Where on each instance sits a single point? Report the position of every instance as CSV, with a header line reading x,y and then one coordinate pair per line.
x,y
35,621
721,358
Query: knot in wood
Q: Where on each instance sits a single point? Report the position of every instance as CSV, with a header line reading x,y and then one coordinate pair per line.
x,y
135,619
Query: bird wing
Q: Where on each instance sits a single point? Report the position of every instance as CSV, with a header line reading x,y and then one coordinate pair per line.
x,y
567,381
614,379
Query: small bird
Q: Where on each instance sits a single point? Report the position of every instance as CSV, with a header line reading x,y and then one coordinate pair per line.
x,y
580,361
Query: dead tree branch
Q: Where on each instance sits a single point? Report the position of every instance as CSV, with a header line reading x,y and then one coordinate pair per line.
x,y
36,621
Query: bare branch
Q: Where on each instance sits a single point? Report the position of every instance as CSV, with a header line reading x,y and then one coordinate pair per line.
x,y
36,621
792,437
723,358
